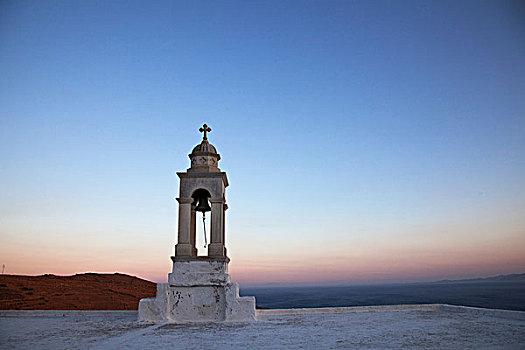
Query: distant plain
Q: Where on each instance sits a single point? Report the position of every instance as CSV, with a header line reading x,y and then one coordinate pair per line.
x,y
507,294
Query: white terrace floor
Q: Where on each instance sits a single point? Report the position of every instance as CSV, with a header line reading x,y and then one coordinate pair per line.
x,y
379,327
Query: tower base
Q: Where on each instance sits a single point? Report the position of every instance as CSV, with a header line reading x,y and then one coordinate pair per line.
x,y
198,290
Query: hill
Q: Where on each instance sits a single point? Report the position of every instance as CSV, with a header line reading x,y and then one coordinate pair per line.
x,y
517,277
88,291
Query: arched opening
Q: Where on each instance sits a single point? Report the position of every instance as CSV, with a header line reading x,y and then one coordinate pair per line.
x,y
201,221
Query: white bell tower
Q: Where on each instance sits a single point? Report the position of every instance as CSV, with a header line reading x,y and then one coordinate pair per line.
x,y
199,287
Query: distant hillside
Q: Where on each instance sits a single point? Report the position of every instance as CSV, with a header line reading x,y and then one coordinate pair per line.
x,y
89,291
501,278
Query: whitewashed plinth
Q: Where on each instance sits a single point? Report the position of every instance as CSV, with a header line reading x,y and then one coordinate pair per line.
x,y
198,290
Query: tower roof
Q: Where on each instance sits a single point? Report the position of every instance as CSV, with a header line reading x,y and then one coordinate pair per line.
x,y
204,156
204,146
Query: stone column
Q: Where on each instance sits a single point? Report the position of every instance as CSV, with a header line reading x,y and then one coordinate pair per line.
x,y
216,248
193,228
184,247
225,206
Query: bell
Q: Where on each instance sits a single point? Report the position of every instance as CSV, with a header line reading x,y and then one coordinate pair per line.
x,y
203,205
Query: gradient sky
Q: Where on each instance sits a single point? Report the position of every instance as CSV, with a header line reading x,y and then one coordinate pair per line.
x,y
364,141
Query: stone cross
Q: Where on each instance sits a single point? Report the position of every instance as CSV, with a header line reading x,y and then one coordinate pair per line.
x,y
205,129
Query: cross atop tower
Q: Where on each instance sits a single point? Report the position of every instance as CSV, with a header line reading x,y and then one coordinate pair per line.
x,y
205,128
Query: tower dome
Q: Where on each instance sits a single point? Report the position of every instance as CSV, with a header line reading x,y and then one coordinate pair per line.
x,y
204,157
204,147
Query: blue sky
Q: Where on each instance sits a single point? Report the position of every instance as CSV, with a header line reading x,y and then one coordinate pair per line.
x,y
380,138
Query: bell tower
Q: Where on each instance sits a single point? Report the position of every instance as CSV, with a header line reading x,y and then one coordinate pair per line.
x,y
203,183
199,287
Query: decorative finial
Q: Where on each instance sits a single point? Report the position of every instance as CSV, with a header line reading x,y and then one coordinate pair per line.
x,y
205,128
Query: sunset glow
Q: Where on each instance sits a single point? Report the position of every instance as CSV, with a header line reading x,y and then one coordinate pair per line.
x,y
365,142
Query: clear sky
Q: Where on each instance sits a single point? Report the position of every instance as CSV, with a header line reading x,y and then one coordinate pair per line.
x,y
364,141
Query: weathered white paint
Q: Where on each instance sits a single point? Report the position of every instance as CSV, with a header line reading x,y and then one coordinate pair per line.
x,y
198,290
200,271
